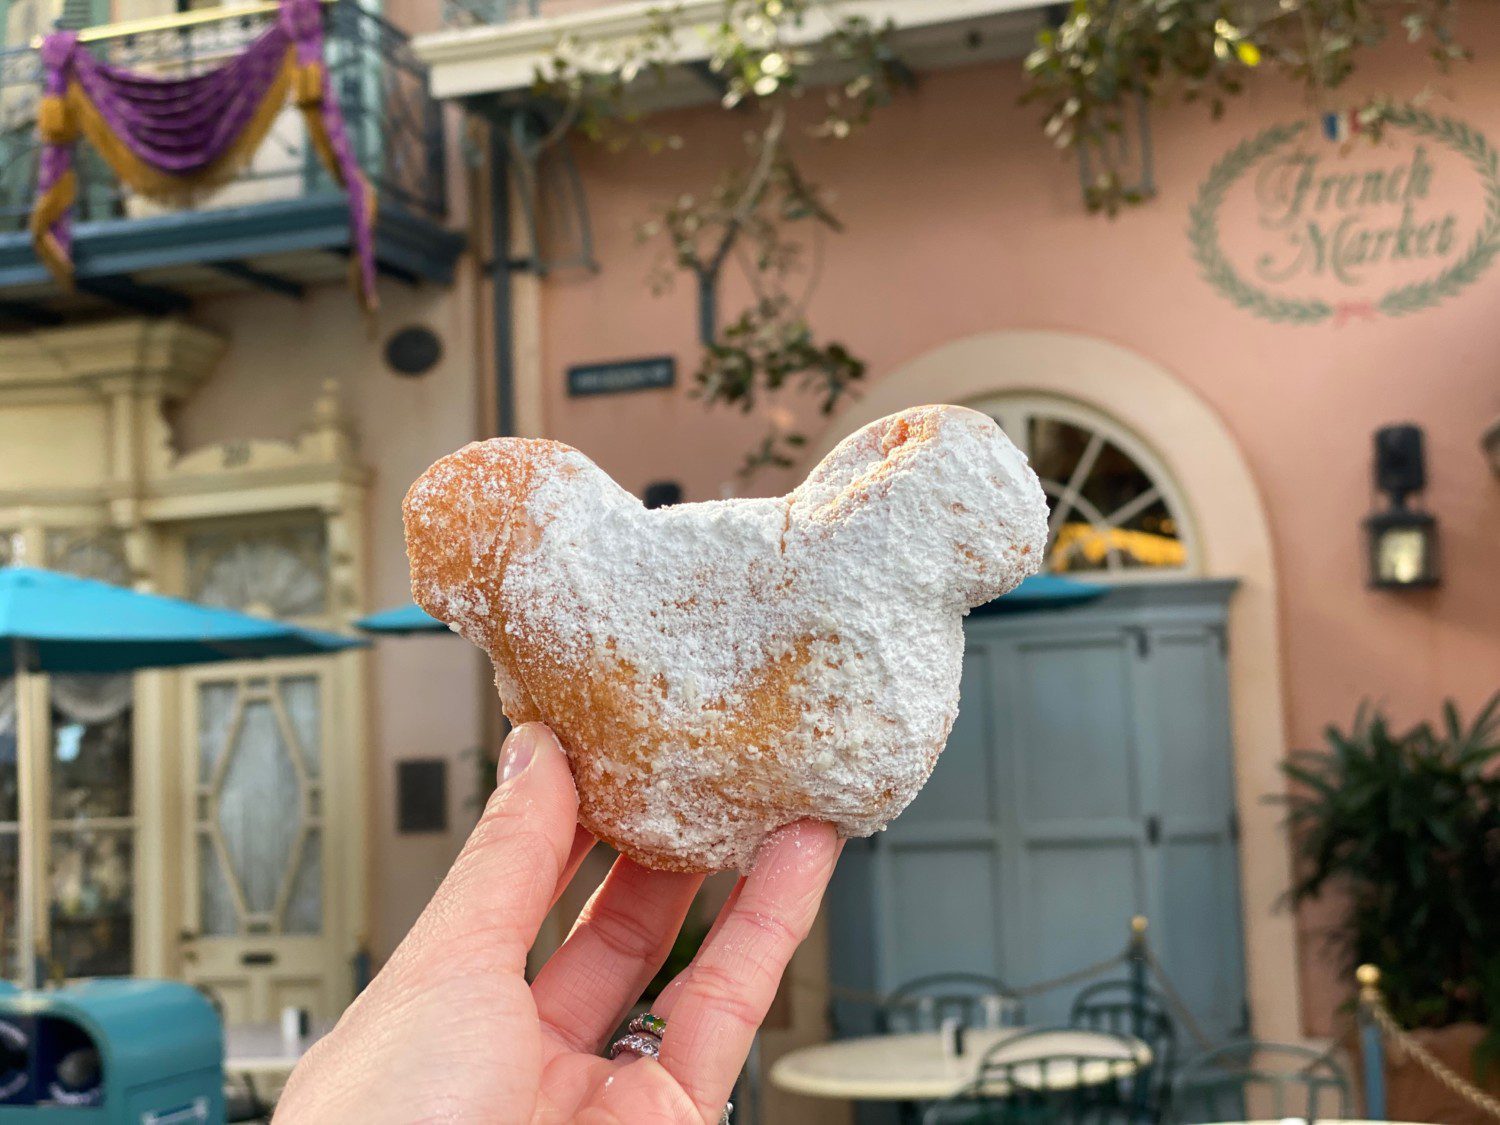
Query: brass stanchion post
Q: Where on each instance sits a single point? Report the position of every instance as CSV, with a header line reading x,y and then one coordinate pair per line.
x,y
1371,1042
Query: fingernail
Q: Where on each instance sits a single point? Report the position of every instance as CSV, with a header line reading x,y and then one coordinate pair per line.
x,y
519,749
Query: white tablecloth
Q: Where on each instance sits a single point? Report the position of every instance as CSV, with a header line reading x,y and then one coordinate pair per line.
x,y
913,1067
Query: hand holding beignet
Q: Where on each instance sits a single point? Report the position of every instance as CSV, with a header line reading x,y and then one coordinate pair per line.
x,y
717,670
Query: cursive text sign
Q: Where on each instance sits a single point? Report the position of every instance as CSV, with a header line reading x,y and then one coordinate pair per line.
x,y
1296,230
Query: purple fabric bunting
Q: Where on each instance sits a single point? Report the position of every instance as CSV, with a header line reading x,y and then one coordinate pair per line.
x,y
51,221
167,136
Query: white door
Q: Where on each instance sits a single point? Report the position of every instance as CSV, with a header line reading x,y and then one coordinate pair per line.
x,y
258,930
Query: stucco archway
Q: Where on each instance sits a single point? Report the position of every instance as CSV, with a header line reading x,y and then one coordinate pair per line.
x,y
1192,442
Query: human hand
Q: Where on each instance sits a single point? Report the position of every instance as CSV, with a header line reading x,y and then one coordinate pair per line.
x,y
450,1031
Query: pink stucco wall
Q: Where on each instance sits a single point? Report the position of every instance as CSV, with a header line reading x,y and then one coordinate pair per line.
x,y
961,220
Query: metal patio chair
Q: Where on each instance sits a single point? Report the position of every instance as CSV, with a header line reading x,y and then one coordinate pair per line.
x,y
1123,1007
1039,1078
1260,1079
973,998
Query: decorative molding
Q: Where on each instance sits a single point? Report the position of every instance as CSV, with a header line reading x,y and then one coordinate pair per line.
x,y
325,450
167,358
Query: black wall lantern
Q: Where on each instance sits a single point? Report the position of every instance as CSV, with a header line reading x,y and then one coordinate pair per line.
x,y
1402,539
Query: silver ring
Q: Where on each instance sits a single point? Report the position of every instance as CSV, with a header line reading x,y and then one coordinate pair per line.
x,y
636,1043
643,1039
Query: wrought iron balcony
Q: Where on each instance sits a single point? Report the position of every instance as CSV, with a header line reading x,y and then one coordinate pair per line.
x,y
477,13
281,223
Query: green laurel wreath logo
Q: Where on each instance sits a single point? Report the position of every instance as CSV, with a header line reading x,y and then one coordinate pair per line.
x,y
1203,228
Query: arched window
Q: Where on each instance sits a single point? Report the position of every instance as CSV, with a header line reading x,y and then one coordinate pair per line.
x,y
1115,510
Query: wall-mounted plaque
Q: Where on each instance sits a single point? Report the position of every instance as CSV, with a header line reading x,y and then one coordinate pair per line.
x,y
421,795
649,374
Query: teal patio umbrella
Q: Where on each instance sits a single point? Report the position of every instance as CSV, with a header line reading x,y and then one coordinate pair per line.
x,y
51,622
403,619
1039,592
1043,592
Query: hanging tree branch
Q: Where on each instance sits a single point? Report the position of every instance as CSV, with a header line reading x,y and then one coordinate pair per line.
x,y
762,53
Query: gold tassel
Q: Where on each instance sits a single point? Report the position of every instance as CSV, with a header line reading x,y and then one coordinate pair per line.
x,y
317,133
369,300
308,90
55,123
49,207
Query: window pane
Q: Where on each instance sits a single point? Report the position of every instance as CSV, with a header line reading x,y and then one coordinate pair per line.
x,y
1055,447
1151,538
89,881
8,795
91,746
259,808
218,916
1116,519
90,552
278,570
10,866
215,712
1079,546
300,701
304,909
1114,481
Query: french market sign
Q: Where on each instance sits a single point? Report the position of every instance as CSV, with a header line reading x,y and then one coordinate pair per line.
x,y
1299,229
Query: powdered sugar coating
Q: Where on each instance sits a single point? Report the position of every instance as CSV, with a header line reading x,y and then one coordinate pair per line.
x,y
718,670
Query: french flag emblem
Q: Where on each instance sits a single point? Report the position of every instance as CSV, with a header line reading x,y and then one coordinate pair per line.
x,y
1339,127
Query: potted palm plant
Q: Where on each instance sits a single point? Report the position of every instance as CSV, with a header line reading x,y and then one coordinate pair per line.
x,y
1404,828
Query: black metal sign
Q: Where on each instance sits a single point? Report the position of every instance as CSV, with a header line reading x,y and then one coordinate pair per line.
x,y
625,375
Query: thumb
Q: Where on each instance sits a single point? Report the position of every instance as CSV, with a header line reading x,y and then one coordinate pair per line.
x,y
489,907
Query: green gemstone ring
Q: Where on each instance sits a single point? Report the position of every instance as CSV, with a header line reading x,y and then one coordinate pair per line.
x,y
649,1024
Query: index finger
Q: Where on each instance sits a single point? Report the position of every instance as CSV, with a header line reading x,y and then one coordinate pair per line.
x,y
730,985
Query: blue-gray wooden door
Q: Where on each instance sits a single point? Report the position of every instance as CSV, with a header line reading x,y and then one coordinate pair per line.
x,y
1088,779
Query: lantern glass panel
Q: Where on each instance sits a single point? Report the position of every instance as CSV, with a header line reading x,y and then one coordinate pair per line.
x,y
1401,556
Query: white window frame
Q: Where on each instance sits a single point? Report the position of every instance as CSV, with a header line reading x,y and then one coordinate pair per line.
x,y
1013,410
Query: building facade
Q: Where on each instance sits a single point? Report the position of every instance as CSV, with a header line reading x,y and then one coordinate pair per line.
x,y
208,412
1198,382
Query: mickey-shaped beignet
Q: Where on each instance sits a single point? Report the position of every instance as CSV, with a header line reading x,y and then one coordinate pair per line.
x,y
715,671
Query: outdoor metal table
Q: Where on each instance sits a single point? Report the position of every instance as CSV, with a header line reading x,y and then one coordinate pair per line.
x,y
913,1067
260,1051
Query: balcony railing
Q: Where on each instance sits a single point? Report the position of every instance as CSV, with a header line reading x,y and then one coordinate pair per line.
x,y
394,125
477,13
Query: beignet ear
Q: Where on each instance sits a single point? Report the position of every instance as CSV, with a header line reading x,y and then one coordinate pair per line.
x,y
463,517
945,476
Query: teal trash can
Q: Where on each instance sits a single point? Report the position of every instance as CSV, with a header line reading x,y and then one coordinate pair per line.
x,y
121,1052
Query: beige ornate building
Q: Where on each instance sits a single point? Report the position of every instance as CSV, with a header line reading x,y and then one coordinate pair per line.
x,y
209,414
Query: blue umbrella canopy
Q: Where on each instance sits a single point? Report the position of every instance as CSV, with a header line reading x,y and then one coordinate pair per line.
x,y
401,619
59,623
1044,591
1039,592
